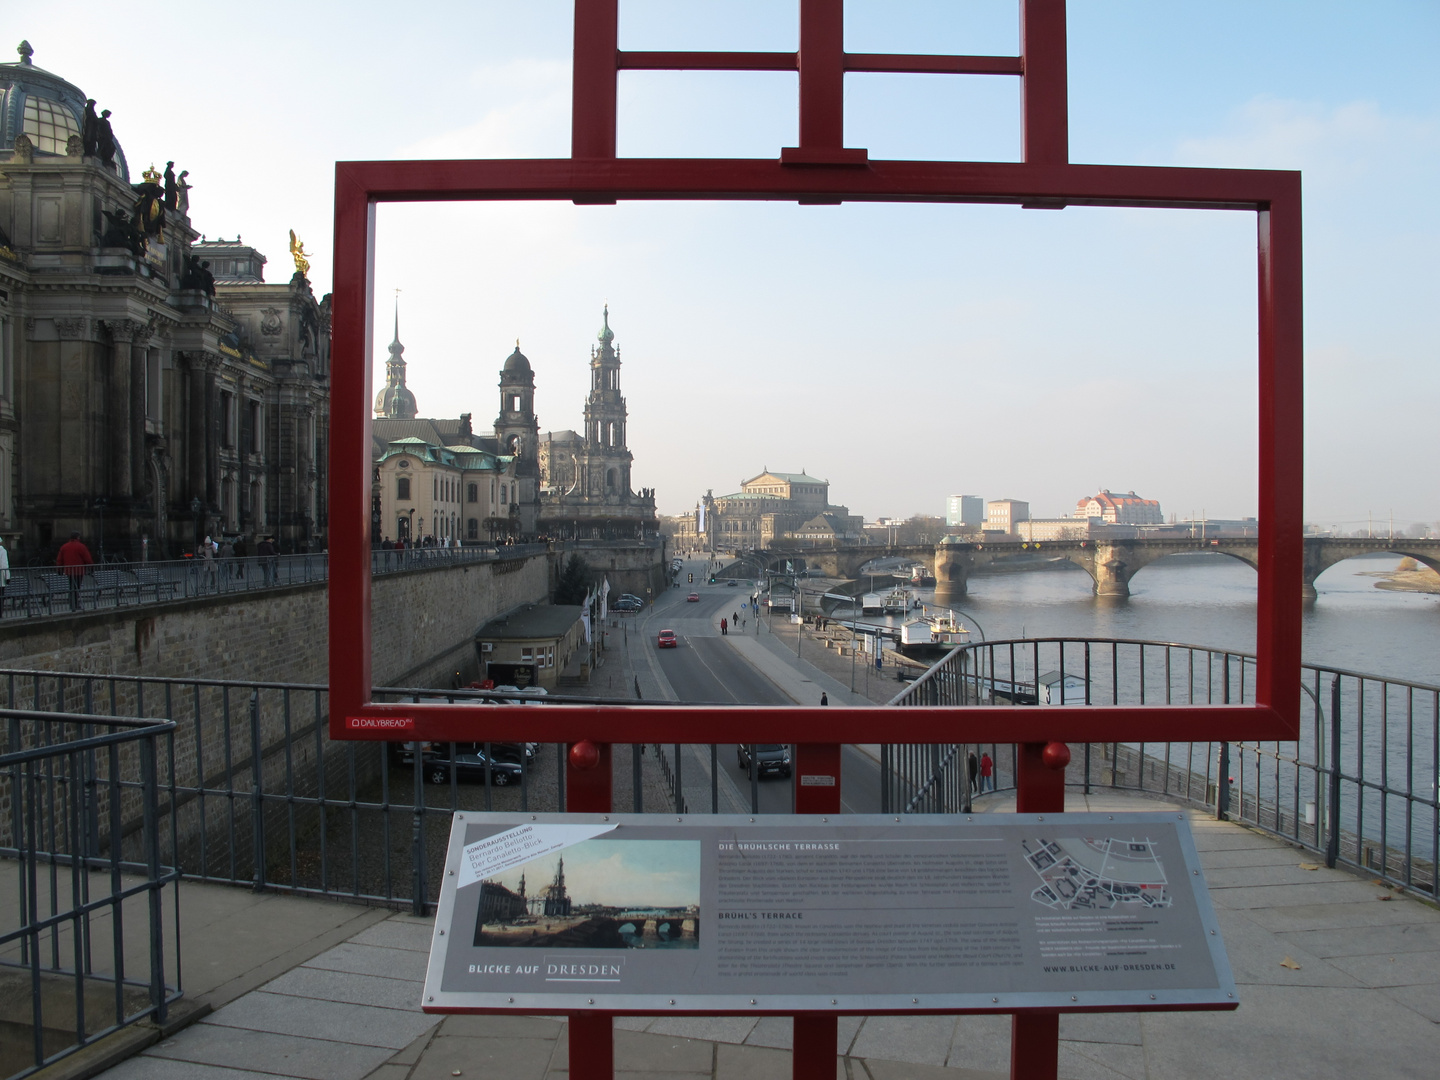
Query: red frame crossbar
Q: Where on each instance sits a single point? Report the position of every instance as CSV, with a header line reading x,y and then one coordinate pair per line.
x,y
822,170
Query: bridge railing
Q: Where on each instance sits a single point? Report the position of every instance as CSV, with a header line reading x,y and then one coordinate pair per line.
x,y
1358,786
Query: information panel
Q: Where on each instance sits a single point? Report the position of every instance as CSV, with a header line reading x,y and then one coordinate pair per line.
x,y
857,913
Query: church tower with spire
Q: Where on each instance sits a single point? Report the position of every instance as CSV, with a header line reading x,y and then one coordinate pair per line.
x,y
605,474
396,402
517,430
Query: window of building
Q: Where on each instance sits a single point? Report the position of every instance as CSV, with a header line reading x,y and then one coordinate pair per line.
x,y
152,384
49,124
402,487
472,529
502,494
472,493
227,418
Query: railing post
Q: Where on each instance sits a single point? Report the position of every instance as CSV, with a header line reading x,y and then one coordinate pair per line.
x,y
150,783
257,793
1332,807
1222,785
418,883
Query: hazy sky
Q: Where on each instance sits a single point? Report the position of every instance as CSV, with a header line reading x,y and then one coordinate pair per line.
x,y
902,353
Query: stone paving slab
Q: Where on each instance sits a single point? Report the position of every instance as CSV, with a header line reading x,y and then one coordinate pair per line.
x,y
386,993
1394,969
1366,914
285,1055
1389,939
1321,892
151,1068
360,1025
399,932
1285,873
1295,1033
373,960
499,1059
924,1040
1257,958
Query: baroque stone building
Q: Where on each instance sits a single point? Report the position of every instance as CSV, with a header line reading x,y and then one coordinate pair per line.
x,y
153,388
563,484
770,509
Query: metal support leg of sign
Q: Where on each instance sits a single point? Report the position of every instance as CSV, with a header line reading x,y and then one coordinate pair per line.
x,y
817,791
588,772
1040,789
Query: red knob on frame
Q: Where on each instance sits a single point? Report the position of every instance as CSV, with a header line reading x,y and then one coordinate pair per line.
x,y
586,755
1056,755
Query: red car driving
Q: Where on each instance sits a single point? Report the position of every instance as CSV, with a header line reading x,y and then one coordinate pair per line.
x,y
667,640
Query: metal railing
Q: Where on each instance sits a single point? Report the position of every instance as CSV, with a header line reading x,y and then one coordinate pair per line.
x,y
1358,787
35,591
84,946
253,791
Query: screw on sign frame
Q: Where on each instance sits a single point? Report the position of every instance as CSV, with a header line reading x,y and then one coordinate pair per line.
x,y
822,170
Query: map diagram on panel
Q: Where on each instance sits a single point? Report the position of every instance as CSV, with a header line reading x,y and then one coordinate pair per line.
x,y
1077,874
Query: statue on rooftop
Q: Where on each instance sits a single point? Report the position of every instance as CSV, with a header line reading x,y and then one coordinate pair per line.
x,y
196,275
297,252
121,232
172,189
182,193
105,138
150,205
90,129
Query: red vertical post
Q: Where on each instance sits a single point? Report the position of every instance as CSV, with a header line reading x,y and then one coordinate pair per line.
x,y
349,532
817,791
1040,789
592,90
587,790
1281,457
822,74
1044,88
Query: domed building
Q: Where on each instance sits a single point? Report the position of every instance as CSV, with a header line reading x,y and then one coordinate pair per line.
x,y
153,387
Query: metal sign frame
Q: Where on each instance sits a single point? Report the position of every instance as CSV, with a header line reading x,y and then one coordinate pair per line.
x,y
1202,979
822,170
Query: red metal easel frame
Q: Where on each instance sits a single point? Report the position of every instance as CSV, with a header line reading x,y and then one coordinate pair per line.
x,y
822,170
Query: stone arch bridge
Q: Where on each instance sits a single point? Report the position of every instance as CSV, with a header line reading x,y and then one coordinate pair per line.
x,y
1110,563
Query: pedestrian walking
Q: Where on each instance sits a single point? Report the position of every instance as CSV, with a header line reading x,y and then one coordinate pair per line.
x,y
73,558
824,698
972,765
268,558
207,562
722,628
4,569
734,617
987,773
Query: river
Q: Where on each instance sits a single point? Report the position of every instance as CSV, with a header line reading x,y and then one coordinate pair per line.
x,y
1204,599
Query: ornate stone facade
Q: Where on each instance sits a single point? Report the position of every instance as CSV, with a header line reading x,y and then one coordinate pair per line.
x,y
144,399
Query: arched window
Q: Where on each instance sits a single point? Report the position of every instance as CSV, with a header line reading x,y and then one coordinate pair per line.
x,y
610,480
503,495
472,493
402,487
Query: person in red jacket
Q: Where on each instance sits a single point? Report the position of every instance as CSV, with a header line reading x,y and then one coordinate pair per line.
x,y
987,773
74,557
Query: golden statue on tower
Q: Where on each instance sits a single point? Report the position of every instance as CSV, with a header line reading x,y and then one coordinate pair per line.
x,y
297,251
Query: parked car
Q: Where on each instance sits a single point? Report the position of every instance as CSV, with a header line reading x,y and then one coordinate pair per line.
x,y
632,599
667,640
626,605
769,757
471,766
693,598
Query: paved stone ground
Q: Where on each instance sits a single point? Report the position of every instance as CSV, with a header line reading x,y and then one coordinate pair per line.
x,y
1338,976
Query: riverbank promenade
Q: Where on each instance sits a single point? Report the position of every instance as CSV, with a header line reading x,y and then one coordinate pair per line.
x,y
1338,977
